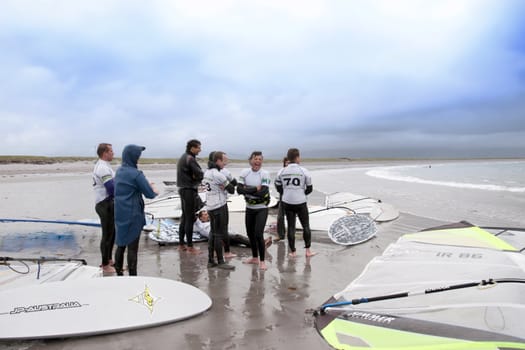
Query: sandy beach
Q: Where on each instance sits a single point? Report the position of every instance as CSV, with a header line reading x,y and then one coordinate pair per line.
x,y
251,309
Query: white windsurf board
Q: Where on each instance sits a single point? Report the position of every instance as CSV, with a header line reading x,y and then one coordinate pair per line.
x,y
321,218
347,198
237,203
387,212
377,210
20,273
96,306
352,229
164,208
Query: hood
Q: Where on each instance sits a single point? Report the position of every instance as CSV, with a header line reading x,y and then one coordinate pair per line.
x,y
131,155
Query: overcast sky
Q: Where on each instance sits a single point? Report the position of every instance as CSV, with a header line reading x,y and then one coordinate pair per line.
x,y
347,78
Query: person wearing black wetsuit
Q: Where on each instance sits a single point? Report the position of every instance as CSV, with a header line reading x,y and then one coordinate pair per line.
x,y
189,176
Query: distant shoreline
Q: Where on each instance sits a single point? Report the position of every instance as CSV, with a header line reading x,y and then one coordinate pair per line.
x,y
40,160
28,165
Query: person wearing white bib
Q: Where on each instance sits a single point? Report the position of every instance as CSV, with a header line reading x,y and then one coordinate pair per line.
x,y
217,189
254,184
104,188
226,238
294,183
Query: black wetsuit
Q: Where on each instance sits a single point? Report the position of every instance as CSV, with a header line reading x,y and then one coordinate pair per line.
x,y
189,176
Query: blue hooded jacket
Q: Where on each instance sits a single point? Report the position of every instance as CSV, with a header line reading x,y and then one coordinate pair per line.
x,y
130,185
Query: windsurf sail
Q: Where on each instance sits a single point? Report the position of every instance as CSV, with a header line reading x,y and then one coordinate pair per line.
x,y
456,286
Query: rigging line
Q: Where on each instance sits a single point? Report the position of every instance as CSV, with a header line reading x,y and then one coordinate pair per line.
x,y
62,222
354,200
162,199
483,283
328,208
4,259
505,229
406,310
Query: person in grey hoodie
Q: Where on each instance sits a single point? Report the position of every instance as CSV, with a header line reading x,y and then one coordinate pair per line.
x,y
130,186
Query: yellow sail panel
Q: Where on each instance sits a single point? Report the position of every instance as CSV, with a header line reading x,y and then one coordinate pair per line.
x,y
467,237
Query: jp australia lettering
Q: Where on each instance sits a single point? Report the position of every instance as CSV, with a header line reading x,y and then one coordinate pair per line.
x,y
46,307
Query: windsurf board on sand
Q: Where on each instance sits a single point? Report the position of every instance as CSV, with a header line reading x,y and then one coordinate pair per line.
x,y
378,210
237,203
166,231
352,229
167,207
320,218
19,272
96,306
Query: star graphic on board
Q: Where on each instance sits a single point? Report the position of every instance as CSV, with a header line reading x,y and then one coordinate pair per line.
x,y
145,298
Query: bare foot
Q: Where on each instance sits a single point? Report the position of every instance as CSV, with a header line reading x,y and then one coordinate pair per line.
x,y
262,266
182,248
108,269
309,253
229,255
251,261
194,250
292,254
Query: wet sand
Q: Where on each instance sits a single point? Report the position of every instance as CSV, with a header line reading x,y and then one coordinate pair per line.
x,y
251,309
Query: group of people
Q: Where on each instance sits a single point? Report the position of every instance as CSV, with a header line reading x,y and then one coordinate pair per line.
x,y
120,204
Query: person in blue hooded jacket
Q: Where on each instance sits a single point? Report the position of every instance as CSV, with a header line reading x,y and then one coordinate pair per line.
x,y
130,186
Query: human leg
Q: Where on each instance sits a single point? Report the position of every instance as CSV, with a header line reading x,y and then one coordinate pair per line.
x,y
226,236
290,221
217,218
238,239
249,221
211,248
281,228
216,233
182,222
119,259
261,215
188,215
133,249
105,210
304,219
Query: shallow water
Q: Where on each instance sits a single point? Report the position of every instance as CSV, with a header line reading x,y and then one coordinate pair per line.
x,y
483,175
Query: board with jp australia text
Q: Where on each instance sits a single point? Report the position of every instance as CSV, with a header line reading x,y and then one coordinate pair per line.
x,y
96,306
